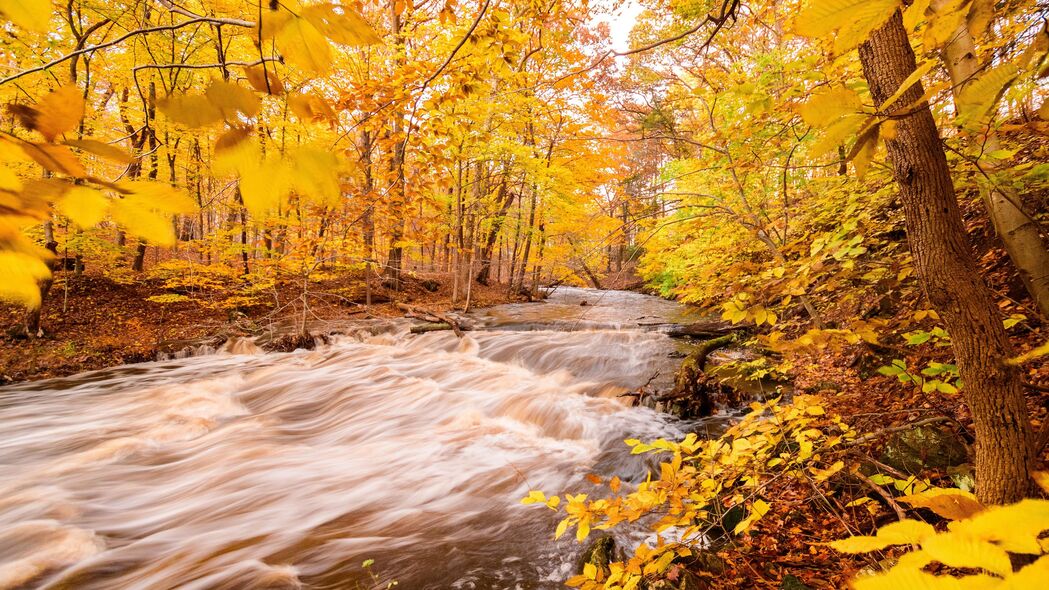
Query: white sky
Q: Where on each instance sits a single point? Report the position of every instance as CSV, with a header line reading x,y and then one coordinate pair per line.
x,y
621,20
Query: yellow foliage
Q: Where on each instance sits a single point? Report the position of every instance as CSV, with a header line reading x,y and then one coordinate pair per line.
x,y
853,20
303,45
698,473
21,274
34,15
952,504
982,541
340,24
57,113
103,149
191,110
824,107
84,206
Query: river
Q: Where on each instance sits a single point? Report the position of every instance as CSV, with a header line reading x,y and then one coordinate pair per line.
x,y
290,470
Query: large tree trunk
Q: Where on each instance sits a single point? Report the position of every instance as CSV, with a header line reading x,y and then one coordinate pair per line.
x,y
948,274
1019,232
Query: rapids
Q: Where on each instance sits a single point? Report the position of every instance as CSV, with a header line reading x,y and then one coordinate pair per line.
x,y
247,470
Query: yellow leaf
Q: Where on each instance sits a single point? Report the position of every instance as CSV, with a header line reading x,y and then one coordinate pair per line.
x,y
863,151
157,195
103,149
958,550
583,530
853,19
21,274
264,79
266,186
340,24
273,21
903,532
899,578
311,108
32,15
302,45
911,80
981,13
590,571
1015,527
981,94
825,474
915,14
837,134
825,107
561,528
952,504
1029,355
317,175
83,205
142,222
56,158
534,497
191,110
944,20
231,98
57,113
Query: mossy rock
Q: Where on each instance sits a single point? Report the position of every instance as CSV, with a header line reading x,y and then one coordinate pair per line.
x,y
600,552
924,447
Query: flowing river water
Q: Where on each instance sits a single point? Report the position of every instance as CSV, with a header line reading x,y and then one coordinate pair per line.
x,y
290,470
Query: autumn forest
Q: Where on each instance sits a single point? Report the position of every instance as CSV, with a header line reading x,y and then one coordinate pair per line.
x,y
640,294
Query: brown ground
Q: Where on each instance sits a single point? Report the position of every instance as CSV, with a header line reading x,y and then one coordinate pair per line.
x,y
91,322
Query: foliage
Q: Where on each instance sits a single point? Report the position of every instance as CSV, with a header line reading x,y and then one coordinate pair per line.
x,y
978,539
700,480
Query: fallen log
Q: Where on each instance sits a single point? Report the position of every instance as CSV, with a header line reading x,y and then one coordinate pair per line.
x,y
431,317
436,327
695,392
703,329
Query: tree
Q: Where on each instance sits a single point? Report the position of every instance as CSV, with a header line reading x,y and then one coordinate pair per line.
x,y
948,274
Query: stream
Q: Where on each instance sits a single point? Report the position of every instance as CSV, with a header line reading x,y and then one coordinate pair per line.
x,y
241,469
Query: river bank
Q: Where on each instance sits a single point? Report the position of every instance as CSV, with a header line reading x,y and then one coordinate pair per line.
x,y
92,322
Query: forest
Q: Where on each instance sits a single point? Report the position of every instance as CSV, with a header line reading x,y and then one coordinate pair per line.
x,y
618,294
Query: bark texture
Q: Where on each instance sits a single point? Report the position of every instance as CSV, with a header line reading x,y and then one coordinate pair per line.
x,y
1019,233
948,274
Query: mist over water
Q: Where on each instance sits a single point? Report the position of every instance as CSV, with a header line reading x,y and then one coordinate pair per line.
x,y
289,470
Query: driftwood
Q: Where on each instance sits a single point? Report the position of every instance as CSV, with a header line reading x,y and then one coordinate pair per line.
x,y
431,317
704,329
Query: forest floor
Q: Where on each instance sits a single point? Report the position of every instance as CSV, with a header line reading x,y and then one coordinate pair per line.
x,y
788,543
92,322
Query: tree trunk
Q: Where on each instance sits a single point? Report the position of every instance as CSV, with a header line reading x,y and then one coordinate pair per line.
x,y
948,274
398,204
505,200
1019,232
32,316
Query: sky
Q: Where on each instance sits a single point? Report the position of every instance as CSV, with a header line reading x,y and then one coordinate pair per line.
x,y
621,20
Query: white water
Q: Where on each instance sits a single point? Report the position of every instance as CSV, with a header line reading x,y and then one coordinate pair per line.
x,y
289,470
